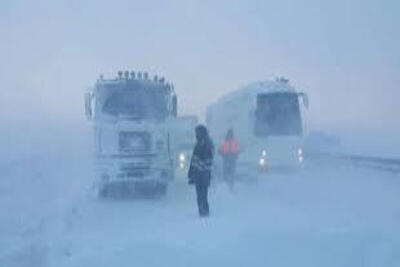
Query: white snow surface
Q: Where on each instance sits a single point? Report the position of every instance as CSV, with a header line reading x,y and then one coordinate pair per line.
x,y
321,216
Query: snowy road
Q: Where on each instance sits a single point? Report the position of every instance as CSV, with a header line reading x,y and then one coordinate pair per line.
x,y
319,217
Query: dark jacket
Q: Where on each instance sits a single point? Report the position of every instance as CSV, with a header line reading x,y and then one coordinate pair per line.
x,y
201,163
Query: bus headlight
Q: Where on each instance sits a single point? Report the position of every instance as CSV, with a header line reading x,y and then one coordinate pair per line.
x,y
300,155
263,159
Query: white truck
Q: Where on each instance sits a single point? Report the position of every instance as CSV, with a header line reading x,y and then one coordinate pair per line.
x,y
131,117
267,120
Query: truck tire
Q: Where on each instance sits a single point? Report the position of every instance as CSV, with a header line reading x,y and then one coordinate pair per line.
x,y
104,192
162,189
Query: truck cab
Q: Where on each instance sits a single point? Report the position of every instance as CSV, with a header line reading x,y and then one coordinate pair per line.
x,y
131,116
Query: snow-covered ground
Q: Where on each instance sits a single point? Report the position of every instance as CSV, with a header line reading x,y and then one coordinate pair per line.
x,y
323,216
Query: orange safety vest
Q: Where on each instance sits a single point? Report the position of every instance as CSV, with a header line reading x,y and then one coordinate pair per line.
x,y
229,147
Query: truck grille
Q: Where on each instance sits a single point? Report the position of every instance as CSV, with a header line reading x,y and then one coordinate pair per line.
x,y
136,169
130,167
134,142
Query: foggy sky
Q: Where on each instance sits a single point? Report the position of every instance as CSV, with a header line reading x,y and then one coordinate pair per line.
x,y
344,54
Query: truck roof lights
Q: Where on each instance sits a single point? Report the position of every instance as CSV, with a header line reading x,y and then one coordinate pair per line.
x,y
139,75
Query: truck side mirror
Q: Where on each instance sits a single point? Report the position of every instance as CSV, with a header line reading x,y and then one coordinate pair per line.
x,y
88,106
174,106
304,97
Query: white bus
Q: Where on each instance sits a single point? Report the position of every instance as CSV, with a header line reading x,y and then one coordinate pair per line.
x,y
268,121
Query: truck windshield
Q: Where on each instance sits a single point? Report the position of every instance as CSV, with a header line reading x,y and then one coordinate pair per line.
x,y
138,103
278,114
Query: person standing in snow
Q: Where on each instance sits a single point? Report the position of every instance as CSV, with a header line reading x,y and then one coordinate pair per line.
x,y
200,168
229,150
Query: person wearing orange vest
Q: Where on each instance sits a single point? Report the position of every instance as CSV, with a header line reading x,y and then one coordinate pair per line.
x,y
229,150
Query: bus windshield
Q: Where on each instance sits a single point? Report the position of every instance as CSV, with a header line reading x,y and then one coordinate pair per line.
x,y
277,114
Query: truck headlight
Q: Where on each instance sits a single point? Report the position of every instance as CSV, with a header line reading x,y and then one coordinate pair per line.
x,y
182,157
182,160
300,152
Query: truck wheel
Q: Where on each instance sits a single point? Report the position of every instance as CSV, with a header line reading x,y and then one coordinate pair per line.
x,y
164,189
104,192
161,189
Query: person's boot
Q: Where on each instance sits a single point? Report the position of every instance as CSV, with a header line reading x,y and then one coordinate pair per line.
x,y
204,215
204,212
